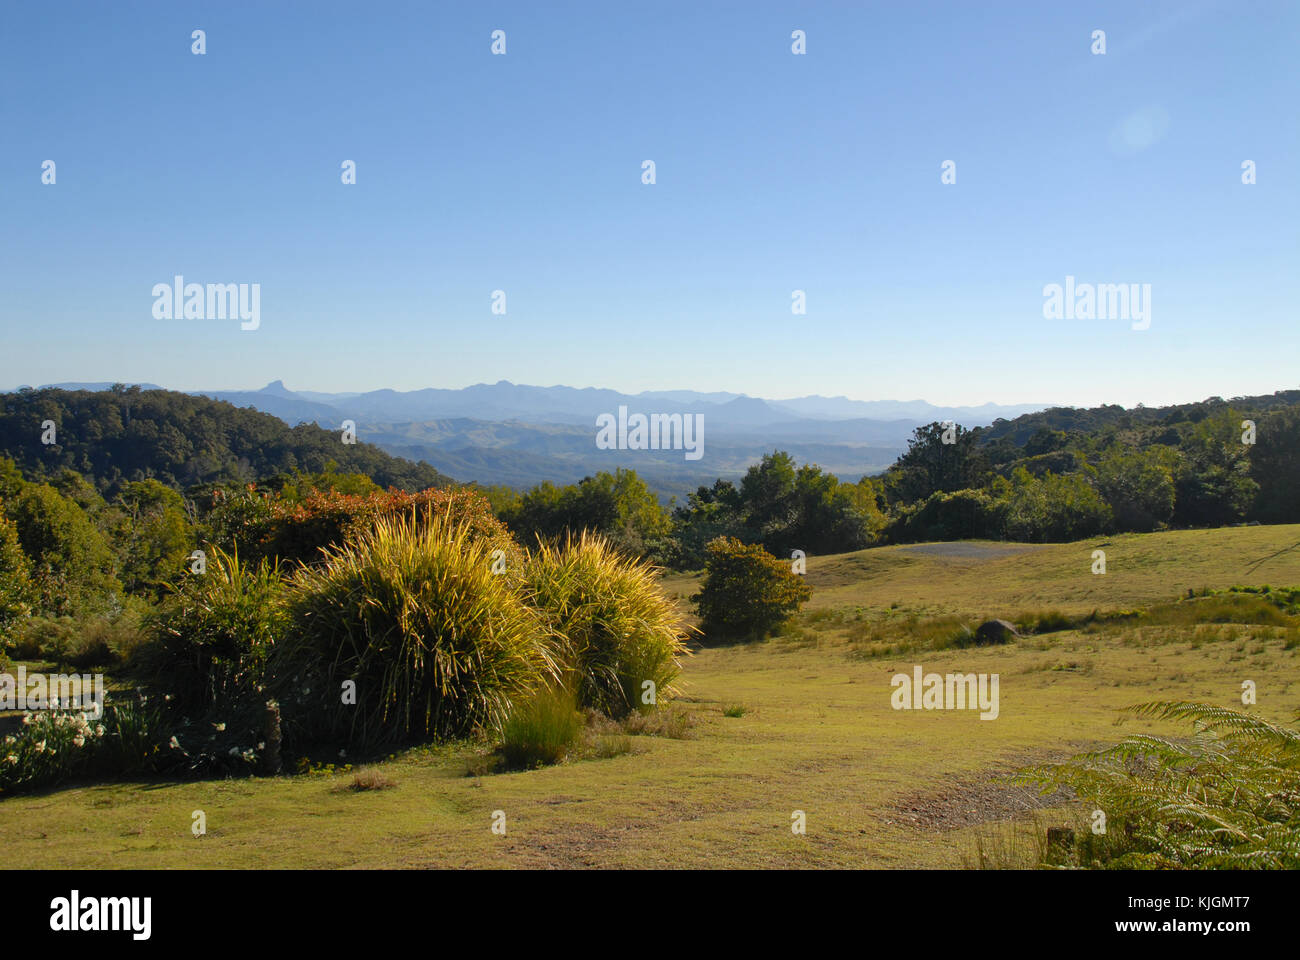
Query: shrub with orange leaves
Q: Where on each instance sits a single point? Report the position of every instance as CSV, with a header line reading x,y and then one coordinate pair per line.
x,y
298,531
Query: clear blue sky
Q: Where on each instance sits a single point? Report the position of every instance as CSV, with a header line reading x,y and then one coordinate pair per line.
x,y
775,172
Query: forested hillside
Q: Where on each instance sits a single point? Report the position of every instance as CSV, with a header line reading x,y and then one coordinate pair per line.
x,y
126,434
1061,474
1112,417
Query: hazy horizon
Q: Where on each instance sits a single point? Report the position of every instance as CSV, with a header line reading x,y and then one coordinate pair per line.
x,y
291,387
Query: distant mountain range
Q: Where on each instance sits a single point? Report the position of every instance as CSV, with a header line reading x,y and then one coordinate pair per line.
x,y
520,435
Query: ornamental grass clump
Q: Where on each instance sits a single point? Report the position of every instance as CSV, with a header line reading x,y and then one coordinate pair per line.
x,y
406,633
541,730
214,634
620,637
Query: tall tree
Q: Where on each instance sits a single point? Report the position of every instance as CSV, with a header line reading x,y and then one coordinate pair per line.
x,y
940,458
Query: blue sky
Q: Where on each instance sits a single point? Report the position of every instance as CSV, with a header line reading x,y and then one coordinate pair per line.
x,y
775,172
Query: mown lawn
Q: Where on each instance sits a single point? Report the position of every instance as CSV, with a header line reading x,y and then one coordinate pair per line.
x,y
879,787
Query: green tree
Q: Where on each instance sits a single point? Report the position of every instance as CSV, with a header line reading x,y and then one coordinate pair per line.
x,y
932,464
11,479
155,535
541,512
1045,440
297,487
827,517
637,522
960,515
504,500
620,506
769,497
72,563
1213,484
869,499
1275,467
783,507
1052,508
16,590
1139,486
82,492
709,513
747,592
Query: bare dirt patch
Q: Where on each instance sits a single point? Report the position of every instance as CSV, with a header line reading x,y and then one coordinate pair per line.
x,y
982,798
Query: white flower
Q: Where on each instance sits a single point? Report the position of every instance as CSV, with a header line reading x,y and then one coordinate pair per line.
x,y
261,746
40,747
27,719
220,727
11,759
78,741
99,730
10,740
174,743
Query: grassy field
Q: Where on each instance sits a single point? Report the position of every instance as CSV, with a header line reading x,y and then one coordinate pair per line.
x,y
811,730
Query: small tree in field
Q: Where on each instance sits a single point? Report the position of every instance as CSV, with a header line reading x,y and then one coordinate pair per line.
x,y
747,592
